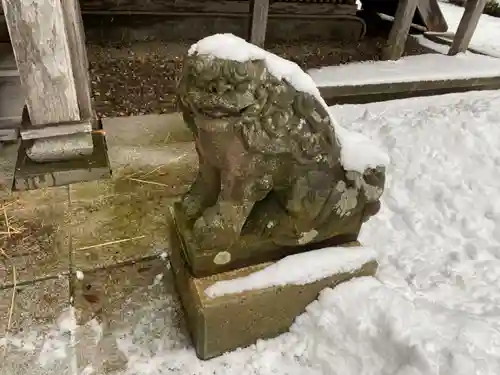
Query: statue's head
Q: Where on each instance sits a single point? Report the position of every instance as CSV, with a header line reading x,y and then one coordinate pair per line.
x,y
222,96
216,88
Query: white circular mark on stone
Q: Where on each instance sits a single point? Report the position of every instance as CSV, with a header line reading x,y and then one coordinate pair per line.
x,y
222,258
307,237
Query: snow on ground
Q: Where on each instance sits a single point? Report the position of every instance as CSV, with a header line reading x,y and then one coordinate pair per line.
x,y
427,67
434,307
485,37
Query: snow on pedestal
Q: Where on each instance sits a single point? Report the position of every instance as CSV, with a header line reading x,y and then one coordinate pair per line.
x,y
298,269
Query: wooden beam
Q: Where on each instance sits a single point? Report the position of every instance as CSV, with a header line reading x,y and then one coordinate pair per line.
x,y
467,26
259,10
400,29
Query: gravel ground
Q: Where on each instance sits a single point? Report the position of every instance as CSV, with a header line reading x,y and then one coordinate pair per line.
x,y
141,78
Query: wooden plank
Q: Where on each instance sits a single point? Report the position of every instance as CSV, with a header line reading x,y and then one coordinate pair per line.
x,y
79,59
467,26
259,10
400,29
209,6
40,43
431,15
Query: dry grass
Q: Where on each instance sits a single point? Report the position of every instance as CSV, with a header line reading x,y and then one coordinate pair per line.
x,y
6,234
110,243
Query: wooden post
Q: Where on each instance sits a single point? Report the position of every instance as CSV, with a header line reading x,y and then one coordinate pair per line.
x,y
259,10
79,59
467,26
40,45
400,29
47,39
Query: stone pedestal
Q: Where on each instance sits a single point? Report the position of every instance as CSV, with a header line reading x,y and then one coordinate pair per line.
x,y
224,323
252,248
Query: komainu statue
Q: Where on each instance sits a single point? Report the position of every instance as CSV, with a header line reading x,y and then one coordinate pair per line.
x,y
271,173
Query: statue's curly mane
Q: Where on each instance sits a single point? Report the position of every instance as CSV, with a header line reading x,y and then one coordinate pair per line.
x,y
269,114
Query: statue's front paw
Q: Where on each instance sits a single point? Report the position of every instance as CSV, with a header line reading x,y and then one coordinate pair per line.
x,y
210,230
191,205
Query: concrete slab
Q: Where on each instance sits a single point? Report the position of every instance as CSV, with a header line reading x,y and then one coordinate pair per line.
x,y
34,332
111,301
147,129
119,228
153,153
224,323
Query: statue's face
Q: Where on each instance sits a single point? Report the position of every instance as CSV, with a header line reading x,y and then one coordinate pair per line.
x,y
217,88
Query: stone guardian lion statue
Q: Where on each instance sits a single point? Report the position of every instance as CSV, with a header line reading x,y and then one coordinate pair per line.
x,y
269,156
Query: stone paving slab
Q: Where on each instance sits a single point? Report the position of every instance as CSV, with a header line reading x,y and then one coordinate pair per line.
x,y
111,233
34,330
153,152
117,229
111,301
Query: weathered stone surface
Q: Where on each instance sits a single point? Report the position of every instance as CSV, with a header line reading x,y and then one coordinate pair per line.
x,y
270,174
64,147
227,322
118,228
34,175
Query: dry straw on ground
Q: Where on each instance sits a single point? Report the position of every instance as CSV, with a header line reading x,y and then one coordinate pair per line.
x,y
6,258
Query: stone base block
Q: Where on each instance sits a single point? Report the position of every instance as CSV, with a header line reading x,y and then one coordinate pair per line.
x,y
252,248
226,322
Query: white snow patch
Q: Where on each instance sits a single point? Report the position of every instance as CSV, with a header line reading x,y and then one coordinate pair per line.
x,y
428,67
358,152
79,275
164,255
298,269
365,327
